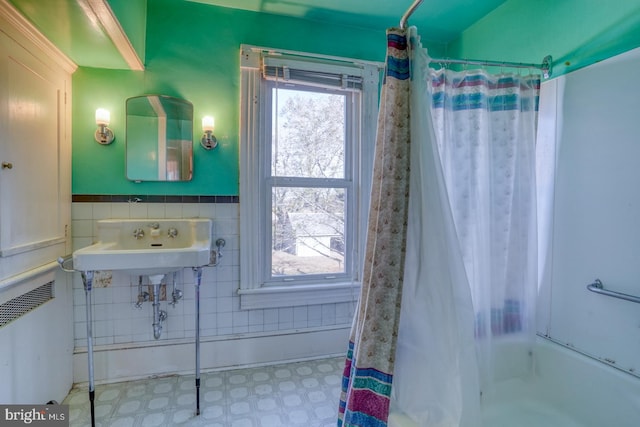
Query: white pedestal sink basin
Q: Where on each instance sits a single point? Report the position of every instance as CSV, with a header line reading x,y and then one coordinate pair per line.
x,y
147,246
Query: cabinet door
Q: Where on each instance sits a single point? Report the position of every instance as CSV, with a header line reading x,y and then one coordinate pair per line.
x,y
32,134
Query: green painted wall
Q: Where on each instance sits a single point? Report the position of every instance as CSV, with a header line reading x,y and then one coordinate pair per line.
x,y
576,33
192,52
132,15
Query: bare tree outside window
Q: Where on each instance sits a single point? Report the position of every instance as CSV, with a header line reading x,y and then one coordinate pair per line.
x,y
308,210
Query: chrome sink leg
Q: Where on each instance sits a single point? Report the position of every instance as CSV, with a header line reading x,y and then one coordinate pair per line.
x,y
198,274
87,280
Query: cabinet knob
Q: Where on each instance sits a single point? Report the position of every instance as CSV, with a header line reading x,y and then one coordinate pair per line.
x,y
7,165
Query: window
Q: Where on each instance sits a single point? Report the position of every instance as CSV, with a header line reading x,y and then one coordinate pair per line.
x,y
307,141
309,182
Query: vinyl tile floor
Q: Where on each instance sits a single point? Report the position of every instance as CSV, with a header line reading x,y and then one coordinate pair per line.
x,y
295,394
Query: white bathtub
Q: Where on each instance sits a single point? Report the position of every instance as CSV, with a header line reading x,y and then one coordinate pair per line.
x,y
568,390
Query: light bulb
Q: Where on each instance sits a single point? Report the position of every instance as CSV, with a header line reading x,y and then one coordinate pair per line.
x,y
207,123
102,117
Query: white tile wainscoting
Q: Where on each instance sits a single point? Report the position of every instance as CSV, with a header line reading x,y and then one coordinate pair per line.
x,y
123,334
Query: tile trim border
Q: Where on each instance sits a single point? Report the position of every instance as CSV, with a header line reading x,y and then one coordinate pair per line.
x,y
152,198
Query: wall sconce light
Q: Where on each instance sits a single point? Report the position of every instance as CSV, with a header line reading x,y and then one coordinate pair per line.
x,y
103,134
208,140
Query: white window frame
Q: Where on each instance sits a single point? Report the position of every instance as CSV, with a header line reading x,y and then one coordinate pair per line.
x,y
255,140
347,183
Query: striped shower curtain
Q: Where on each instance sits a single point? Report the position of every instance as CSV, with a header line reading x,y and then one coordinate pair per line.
x,y
368,372
486,125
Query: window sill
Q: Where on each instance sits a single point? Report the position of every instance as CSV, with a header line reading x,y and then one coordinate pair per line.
x,y
295,295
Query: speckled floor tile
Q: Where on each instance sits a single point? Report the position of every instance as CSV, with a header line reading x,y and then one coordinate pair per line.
x,y
296,394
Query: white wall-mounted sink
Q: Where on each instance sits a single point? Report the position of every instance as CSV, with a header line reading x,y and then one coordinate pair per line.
x,y
147,246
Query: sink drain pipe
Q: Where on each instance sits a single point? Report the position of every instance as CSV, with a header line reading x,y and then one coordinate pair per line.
x,y
159,316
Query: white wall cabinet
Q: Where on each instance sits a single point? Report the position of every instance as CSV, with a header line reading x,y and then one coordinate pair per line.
x,y
35,213
35,149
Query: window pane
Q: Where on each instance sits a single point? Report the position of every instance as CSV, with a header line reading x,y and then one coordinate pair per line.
x,y
308,231
308,136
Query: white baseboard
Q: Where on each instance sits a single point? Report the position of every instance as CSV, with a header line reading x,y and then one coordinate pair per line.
x,y
128,362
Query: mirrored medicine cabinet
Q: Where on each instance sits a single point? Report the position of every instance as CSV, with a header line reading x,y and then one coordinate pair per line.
x,y
159,139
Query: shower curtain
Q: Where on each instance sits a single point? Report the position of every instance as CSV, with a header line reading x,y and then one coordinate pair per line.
x,y
436,375
368,372
485,126
450,271
467,315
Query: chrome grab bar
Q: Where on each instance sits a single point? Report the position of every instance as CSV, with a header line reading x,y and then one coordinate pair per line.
x,y
597,287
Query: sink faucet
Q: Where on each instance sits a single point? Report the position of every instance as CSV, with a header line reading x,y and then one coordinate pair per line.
x,y
154,225
138,233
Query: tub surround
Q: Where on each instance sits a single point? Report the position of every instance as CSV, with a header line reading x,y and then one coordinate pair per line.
x,y
573,387
594,232
567,389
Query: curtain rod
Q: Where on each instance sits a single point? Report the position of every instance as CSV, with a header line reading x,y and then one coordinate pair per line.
x,y
407,14
546,65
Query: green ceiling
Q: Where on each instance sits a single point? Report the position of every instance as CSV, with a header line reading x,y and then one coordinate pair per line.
x,y
460,27
441,21
70,25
